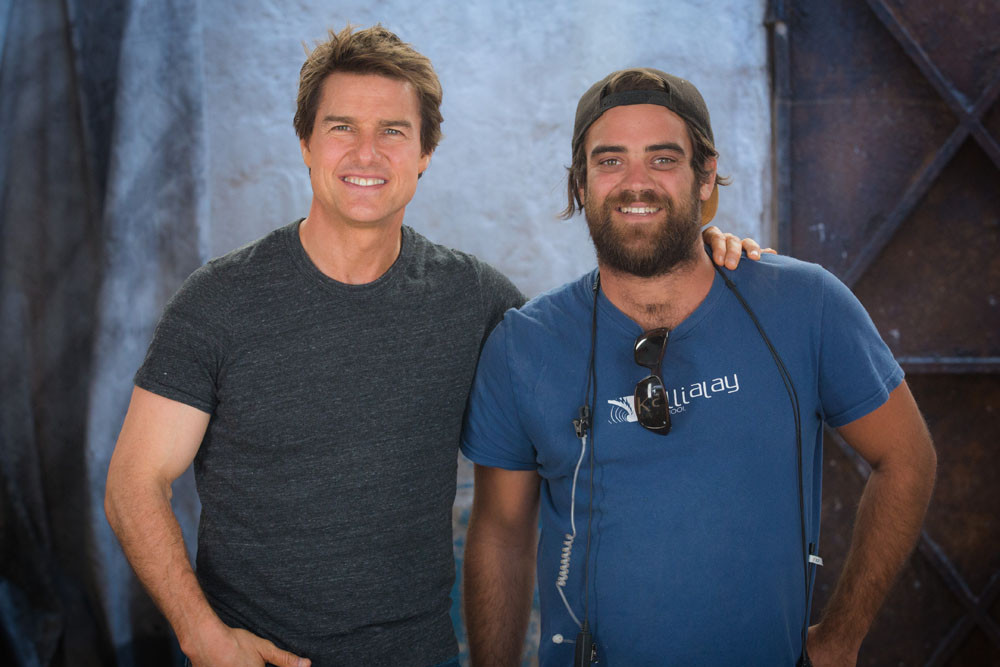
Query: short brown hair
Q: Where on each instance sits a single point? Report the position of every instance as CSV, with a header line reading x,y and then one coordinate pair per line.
x,y
702,146
373,50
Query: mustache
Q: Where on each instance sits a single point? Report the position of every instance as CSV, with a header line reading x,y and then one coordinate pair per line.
x,y
646,197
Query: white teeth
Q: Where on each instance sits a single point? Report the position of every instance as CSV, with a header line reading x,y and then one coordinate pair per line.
x,y
364,181
641,210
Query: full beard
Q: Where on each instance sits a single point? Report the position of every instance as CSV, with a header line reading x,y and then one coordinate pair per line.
x,y
650,249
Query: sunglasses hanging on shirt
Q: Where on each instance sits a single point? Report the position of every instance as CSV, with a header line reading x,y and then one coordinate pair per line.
x,y
650,399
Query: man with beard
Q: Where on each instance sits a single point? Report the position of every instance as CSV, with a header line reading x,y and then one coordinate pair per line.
x,y
679,485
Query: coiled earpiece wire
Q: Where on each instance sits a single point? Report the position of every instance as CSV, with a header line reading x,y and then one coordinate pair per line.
x,y
585,651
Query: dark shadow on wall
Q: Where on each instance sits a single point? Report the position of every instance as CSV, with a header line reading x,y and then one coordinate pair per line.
x,y
103,207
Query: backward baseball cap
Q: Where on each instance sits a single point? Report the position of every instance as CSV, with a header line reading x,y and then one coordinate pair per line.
x,y
677,95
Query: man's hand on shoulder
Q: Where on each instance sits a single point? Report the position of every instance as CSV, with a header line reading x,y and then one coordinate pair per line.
x,y
726,247
235,647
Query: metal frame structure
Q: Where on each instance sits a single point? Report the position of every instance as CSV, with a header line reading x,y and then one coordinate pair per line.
x,y
970,124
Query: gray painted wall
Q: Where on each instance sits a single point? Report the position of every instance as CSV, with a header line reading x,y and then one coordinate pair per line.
x,y
512,73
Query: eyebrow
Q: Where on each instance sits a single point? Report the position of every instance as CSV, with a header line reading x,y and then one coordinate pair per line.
x,y
671,146
382,123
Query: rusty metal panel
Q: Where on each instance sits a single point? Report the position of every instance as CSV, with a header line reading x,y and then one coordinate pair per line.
x,y
887,119
964,412
958,37
874,121
992,119
864,122
934,291
977,651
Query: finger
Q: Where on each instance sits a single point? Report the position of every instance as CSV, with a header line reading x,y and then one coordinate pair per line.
x,y
734,247
276,656
716,240
769,251
752,248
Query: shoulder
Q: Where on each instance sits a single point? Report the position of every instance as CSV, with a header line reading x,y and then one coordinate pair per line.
x,y
258,256
803,299
564,300
236,275
436,257
459,270
554,311
782,267
794,280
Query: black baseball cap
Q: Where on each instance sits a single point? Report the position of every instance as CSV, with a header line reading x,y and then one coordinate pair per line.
x,y
677,94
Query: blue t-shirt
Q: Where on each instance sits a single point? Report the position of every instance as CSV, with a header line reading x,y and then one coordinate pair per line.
x,y
696,547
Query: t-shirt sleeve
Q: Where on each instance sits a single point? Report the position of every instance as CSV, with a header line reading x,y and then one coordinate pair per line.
x,y
493,434
857,369
499,295
184,358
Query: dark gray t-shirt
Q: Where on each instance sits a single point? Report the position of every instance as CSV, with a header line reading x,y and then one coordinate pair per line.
x,y
327,473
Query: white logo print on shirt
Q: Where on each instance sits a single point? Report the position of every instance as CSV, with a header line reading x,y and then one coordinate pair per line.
x,y
623,409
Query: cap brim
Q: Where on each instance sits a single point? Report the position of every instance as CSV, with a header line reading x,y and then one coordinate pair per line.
x,y
708,208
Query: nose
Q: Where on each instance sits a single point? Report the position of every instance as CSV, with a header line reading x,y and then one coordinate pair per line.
x,y
366,148
637,176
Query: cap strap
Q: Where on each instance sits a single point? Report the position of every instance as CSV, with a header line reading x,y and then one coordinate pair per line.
x,y
627,97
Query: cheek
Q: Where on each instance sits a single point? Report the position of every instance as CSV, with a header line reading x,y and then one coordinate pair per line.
x,y
598,186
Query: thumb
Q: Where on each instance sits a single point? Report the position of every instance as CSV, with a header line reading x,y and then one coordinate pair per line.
x,y
276,656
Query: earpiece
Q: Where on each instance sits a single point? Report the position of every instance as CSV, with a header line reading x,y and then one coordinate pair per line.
x,y
582,423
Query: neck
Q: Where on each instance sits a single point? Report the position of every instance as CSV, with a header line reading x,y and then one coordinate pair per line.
x,y
660,301
350,255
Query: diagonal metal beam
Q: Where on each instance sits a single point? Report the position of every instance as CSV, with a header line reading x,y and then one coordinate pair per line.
x,y
969,124
966,112
948,646
976,607
978,613
986,140
886,228
894,24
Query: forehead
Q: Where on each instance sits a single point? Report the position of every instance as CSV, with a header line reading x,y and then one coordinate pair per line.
x,y
364,95
638,126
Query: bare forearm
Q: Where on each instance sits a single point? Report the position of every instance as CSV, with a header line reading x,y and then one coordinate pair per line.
x,y
151,539
499,581
159,440
886,528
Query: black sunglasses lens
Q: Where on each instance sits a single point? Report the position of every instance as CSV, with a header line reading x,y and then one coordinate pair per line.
x,y
651,407
649,348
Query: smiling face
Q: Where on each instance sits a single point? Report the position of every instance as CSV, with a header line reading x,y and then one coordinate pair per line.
x,y
642,200
364,153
